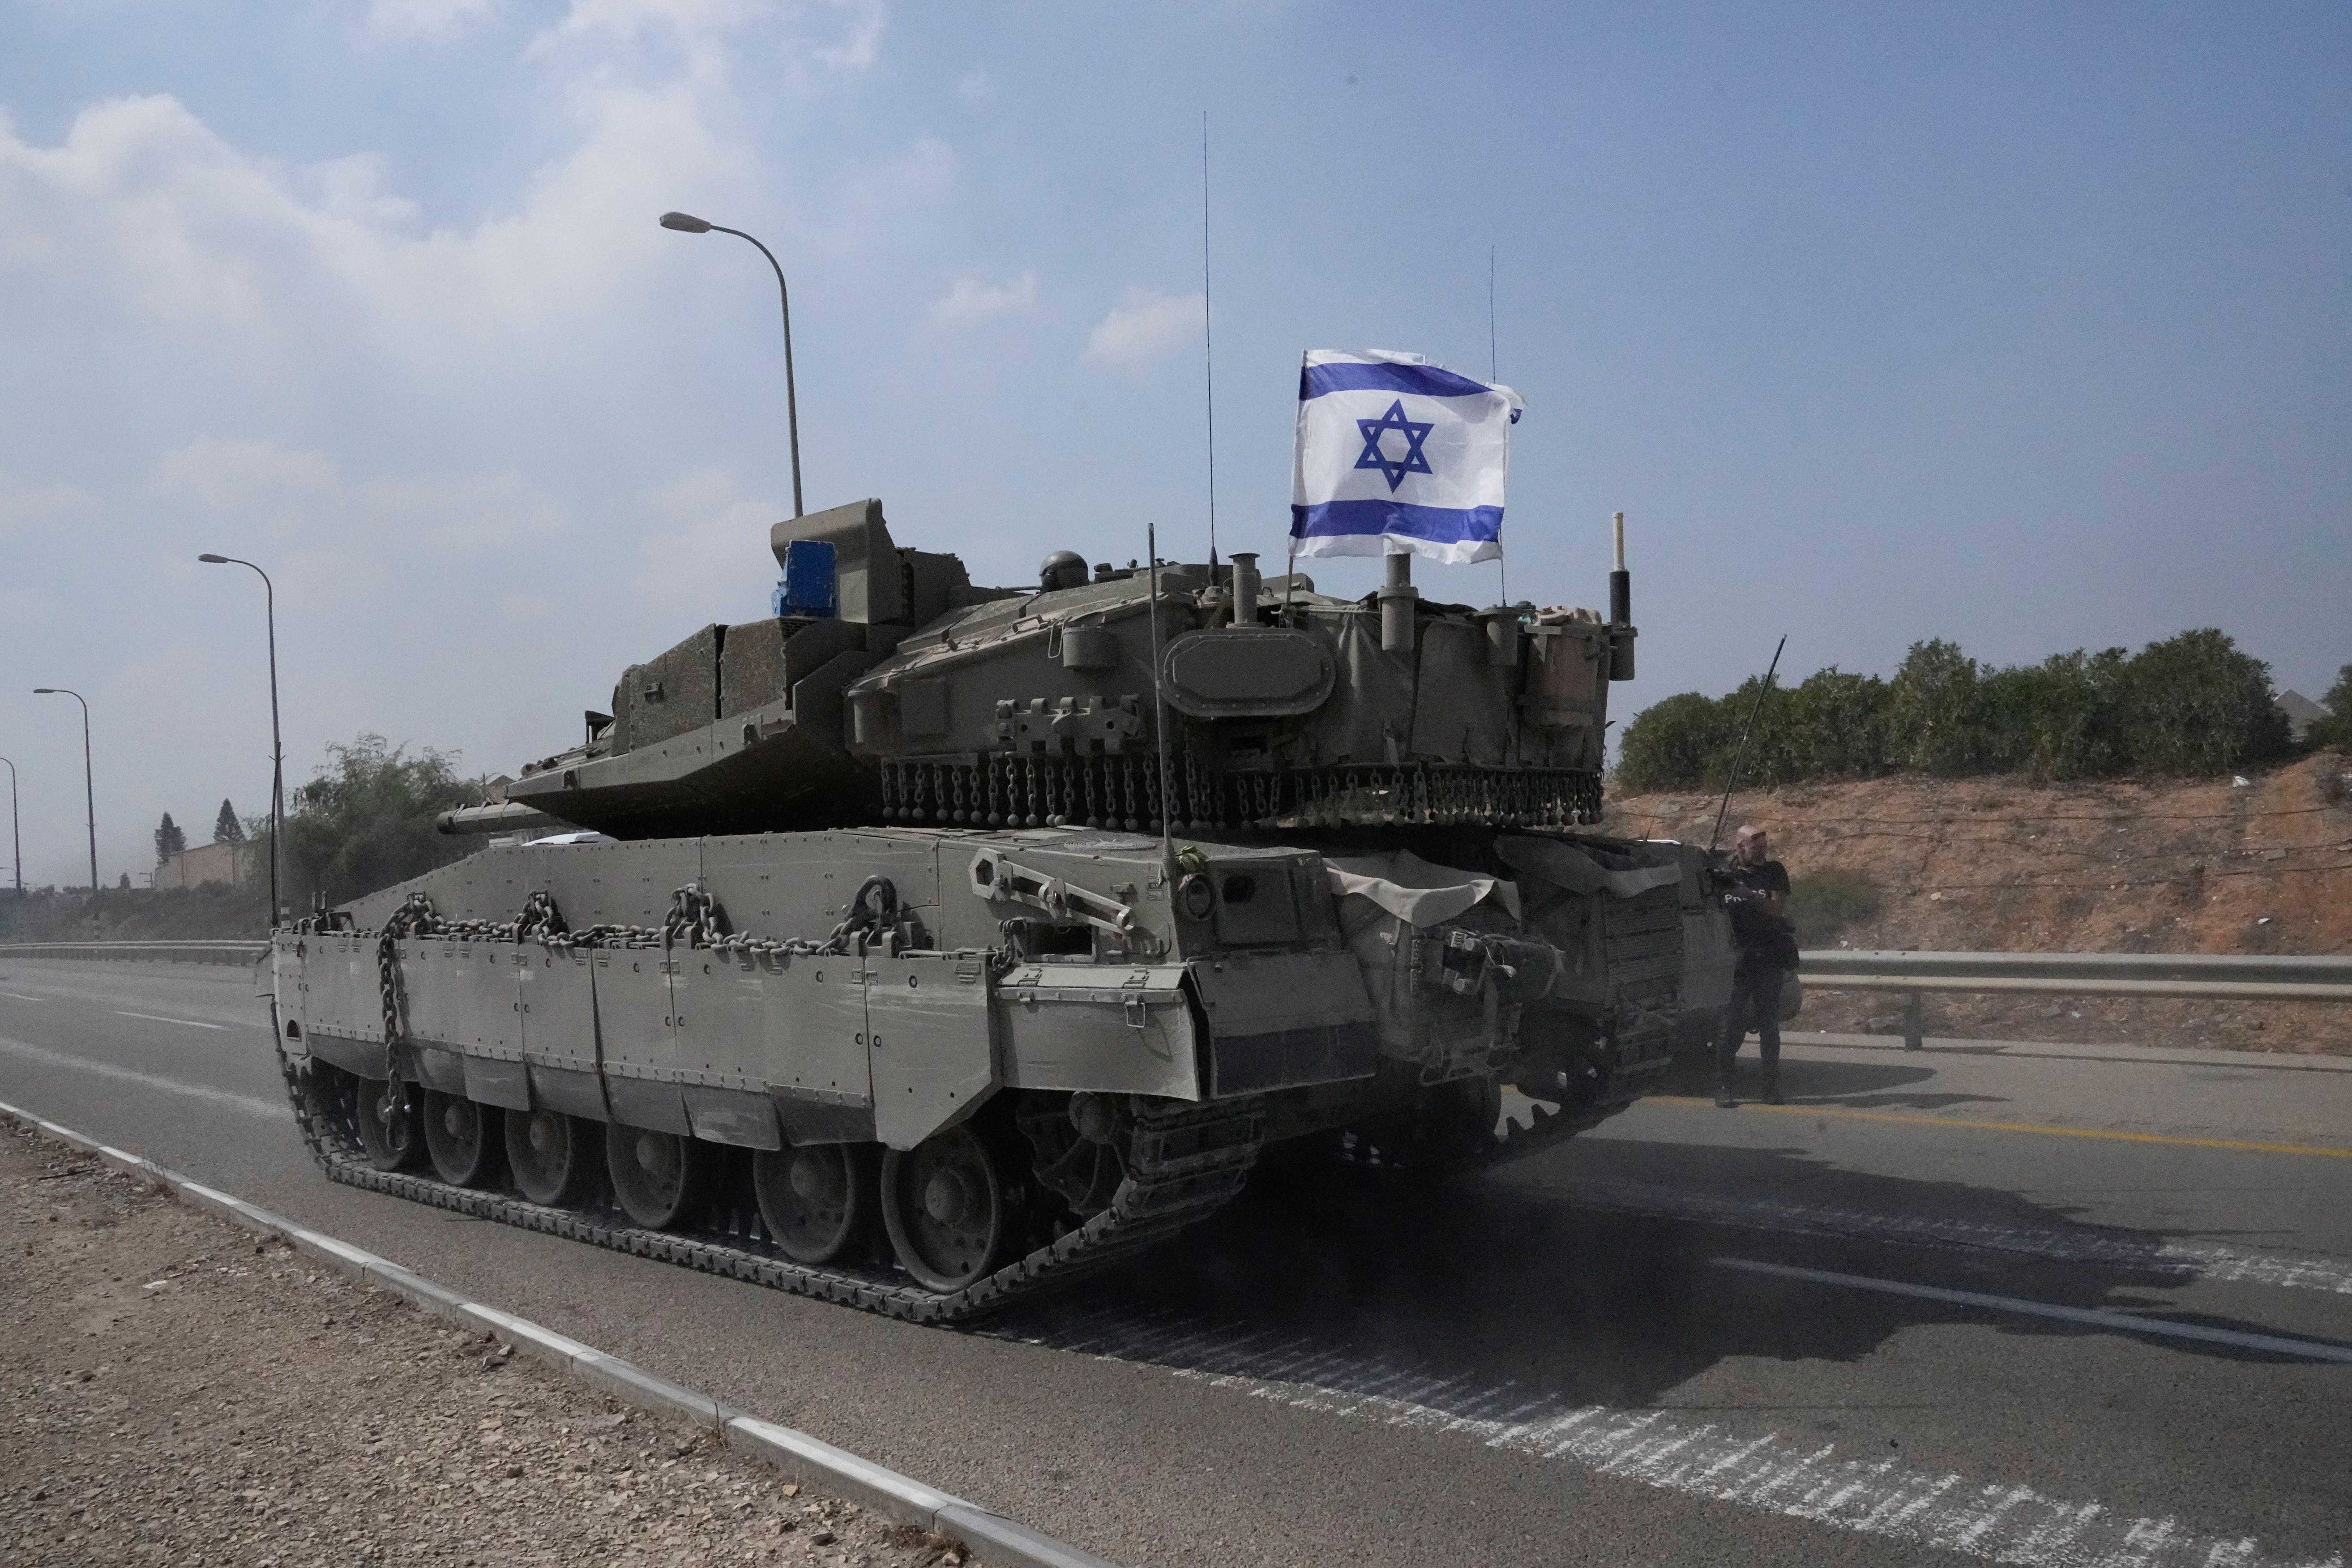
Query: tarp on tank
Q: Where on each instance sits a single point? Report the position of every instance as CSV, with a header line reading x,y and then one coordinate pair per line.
x,y
1415,891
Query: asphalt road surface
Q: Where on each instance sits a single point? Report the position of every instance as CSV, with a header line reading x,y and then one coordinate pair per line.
x,y
2065,1307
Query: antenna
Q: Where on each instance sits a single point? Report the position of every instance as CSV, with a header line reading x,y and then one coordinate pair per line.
x,y
1208,349
1742,755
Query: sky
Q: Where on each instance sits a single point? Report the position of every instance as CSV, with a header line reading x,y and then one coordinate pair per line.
x,y
2024,325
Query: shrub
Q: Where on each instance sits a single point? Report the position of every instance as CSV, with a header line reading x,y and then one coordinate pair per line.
x,y
1682,743
366,820
1826,905
1934,711
2192,704
2195,704
2336,729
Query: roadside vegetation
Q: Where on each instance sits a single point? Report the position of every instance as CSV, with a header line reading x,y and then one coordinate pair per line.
x,y
2191,706
362,822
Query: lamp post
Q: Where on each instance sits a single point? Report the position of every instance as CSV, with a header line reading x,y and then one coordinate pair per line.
x,y
277,745
15,837
685,223
88,789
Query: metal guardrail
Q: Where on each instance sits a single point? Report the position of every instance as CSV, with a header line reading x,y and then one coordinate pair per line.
x,y
240,952
2222,977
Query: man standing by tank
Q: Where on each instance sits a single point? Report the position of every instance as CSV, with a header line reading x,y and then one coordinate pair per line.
x,y
1758,907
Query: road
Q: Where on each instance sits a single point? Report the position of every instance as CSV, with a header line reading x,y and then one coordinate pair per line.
x,y
1837,1331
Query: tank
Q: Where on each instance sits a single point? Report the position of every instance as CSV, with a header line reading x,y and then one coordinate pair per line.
x,y
923,945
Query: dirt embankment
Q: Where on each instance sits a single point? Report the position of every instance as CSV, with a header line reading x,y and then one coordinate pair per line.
x,y
2119,865
183,1395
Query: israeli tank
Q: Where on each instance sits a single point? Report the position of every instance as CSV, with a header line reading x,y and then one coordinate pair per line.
x,y
922,945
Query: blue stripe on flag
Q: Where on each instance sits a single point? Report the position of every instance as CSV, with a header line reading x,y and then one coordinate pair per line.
x,y
1438,525
1426,380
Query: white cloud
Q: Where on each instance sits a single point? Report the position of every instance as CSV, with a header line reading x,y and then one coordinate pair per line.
x,y
861,39
976,89
969,299
305,496
710,550
23,504
423,21
1143,325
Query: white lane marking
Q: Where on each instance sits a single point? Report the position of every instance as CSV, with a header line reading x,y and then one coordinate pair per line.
x,y
1998,1520
2183,1260
159,1018
250,1104
2098,1317
20,997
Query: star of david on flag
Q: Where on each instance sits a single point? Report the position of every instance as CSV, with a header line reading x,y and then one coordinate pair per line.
x,y
1398,456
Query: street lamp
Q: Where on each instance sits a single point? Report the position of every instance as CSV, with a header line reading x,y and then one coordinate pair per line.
x,y
16,838
276,746
88,791
685,223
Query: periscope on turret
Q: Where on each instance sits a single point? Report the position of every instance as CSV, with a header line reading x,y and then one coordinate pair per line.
x,y
923,944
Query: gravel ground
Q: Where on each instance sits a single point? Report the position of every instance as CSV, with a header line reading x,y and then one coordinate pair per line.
x,y
181,1393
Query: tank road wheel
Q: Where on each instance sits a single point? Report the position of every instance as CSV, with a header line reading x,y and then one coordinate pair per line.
x,y
816,1199
663,1179
948,1209
390,1131
463,1139
553,1157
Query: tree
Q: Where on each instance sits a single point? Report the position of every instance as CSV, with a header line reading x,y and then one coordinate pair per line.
x,y
1935,718
1682,743
169,840
2336,729
2195,704
226,828
366,820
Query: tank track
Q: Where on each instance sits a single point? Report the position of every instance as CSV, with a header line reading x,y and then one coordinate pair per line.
x,y
1184,1164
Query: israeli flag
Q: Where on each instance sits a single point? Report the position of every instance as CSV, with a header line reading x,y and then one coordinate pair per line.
x,y
1398,456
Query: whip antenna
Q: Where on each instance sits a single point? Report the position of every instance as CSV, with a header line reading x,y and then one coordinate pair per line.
x,y
1742,755
1208,349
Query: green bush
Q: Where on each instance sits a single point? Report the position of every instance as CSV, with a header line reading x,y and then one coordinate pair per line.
x,y
1678,743
366,821
2336,729
2194,704
1826,905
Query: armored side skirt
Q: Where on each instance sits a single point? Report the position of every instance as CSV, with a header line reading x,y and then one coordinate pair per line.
x,y
757,1050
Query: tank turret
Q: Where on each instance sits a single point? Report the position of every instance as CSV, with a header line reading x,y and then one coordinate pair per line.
x,y
890,690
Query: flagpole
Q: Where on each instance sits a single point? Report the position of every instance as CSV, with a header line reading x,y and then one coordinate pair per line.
x,y
1495,374
1159,704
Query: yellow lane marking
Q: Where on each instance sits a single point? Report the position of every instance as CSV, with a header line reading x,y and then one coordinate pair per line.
x,y
2021,1127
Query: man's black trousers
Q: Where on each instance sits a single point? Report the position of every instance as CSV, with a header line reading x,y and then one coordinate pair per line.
x,y
1755,1005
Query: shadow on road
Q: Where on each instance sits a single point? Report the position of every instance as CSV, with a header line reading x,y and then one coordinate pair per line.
x,y
1518,1278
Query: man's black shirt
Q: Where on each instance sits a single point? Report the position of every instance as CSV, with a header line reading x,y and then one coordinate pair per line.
x,y
1753,926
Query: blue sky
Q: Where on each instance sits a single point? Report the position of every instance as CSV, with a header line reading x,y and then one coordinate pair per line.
x,y
2028,326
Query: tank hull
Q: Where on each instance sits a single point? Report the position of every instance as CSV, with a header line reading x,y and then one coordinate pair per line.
x,y
1061,1011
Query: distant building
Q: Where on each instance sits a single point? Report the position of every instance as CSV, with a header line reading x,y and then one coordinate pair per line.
x,y
215,862
2300,711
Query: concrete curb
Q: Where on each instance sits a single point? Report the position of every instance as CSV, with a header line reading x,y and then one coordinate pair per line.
x,y
990,1537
